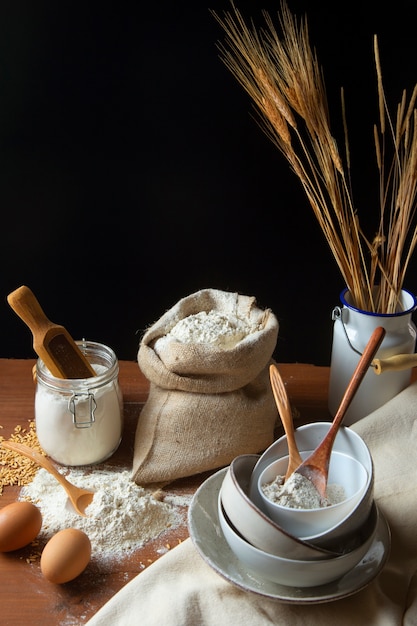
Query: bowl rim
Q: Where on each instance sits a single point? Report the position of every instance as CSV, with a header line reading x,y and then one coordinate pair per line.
x,y
373,515
266,454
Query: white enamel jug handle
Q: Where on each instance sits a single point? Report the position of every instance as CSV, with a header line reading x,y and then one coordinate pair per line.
x,y
397,362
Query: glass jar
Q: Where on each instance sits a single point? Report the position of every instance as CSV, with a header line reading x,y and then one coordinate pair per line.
x,y
79,421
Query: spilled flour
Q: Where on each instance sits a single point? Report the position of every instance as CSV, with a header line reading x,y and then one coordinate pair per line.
x,y
121,518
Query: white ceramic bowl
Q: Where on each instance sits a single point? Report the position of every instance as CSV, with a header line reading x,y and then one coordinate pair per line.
x,y
308,437
293,572
344,471
342,536
252,523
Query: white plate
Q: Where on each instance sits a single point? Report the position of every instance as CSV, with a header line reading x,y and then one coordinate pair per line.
x,y
207,536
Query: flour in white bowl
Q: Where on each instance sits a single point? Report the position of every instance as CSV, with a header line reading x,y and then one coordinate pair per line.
x,y
298,492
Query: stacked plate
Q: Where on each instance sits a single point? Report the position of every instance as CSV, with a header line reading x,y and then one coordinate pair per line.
x,y
287,548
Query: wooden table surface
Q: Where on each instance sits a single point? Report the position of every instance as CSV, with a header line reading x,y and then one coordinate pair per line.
x,y
26,597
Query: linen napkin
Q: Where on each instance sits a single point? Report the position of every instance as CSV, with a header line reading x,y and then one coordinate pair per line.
x,y
180,589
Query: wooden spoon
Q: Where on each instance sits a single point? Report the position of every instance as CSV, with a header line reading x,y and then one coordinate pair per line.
x,y
51,342
316,466
79,498
284,409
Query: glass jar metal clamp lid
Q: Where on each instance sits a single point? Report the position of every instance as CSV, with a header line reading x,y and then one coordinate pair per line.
x,y
79,421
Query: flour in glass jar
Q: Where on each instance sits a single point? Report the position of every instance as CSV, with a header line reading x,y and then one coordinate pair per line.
x,y
122,517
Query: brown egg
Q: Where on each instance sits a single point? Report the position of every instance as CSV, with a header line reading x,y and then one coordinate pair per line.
x,y
66,555
20,522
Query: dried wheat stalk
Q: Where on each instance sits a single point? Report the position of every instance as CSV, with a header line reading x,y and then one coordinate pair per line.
x,y
285,82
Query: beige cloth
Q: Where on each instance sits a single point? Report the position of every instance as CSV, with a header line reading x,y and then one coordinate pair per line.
x,y
180,589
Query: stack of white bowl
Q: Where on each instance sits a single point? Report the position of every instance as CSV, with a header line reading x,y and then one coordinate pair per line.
x,y
300,547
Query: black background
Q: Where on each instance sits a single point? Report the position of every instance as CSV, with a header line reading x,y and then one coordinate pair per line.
x,y
133,172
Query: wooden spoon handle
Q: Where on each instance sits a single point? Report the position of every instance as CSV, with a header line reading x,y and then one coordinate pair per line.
x,y
284,409
35,456
357,377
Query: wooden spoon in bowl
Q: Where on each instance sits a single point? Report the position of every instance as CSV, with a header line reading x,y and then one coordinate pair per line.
x,y
316,466
80,498
285,413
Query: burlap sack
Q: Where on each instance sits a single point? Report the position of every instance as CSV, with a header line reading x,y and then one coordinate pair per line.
x,y
206,404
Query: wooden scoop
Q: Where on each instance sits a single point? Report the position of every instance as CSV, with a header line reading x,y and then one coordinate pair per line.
x,y
51,342
284,409
79,498
316,466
